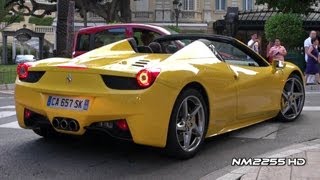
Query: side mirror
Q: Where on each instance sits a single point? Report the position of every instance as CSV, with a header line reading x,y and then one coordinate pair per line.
x,y
278,65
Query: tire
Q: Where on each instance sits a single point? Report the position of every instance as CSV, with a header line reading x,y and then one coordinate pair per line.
x,y
292,99
187,130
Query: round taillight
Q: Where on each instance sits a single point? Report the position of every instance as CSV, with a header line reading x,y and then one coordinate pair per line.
x,y
146,77
22,70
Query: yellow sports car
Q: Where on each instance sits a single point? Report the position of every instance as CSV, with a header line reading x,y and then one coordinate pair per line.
x,y
171,94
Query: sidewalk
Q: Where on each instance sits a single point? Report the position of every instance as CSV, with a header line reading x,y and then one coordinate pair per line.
x,y
6,86
309,150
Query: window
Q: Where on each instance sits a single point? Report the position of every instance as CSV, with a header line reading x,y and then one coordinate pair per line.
x,y
221,5
189,5
247,5
109,36
143,36
83,42
234,55
141,5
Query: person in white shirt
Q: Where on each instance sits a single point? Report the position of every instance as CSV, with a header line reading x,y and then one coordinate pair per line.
x,y
254,43
310,79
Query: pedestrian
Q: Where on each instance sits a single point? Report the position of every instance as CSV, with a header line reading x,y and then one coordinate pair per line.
x,y
313,60
277,52
254,43
307,44
269,58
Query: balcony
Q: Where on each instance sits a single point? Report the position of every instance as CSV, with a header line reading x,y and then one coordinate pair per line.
x,y
190,16
142,16
43,29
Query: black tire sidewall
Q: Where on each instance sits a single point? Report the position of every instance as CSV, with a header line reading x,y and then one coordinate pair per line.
x,y
280,116
173,148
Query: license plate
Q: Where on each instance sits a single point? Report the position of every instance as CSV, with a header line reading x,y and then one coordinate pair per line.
x,y
68,103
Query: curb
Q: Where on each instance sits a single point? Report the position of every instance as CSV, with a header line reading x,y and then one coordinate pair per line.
x,y
7,86
235,173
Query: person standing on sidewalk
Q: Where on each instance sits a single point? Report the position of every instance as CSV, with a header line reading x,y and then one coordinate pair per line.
x,y
254,43
307,44
313,60
277,51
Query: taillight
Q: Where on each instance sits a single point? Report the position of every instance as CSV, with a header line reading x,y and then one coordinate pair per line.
x,y
146,77
22,70
122,124
27,113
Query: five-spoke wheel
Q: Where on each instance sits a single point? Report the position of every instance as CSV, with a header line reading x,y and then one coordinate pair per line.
x,y
188,124
292,100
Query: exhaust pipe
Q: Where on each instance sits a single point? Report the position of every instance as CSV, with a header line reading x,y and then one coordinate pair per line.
x,y
73,125
55,123
64,124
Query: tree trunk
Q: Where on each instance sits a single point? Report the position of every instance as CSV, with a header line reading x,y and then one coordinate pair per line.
x,y
61,32
63,29
125,11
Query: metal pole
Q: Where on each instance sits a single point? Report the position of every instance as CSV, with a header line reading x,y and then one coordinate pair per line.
x,y
177,17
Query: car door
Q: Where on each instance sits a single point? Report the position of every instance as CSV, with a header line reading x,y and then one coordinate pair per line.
x,y
257,85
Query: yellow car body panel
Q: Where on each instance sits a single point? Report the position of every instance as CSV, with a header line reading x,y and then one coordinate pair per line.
x,y
235,100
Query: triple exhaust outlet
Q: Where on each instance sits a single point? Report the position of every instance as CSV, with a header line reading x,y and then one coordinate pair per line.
x,y
65,124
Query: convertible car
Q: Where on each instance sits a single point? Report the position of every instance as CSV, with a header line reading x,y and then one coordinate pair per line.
x,y
171,94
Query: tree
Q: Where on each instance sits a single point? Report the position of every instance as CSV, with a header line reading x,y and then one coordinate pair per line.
x,y
289,6
287,27
5,17
111,11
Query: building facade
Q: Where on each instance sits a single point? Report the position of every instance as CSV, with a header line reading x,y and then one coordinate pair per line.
x,y
196,12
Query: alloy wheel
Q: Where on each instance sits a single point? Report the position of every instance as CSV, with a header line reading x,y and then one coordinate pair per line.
x,y
292,98
190,123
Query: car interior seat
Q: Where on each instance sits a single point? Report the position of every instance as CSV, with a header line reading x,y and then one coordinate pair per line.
x,y
144,49
155,47
133,44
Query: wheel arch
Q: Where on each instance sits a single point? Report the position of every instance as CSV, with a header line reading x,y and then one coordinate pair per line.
x,y
198,86
297,73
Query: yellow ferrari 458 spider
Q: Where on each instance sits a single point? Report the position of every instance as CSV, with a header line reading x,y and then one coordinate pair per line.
x,y
171,94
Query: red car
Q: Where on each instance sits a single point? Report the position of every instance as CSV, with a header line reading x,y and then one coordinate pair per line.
x,y
93,37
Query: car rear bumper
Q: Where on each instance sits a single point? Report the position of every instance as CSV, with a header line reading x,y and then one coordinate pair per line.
x,y
146,112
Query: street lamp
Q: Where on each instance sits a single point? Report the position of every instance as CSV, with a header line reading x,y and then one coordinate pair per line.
x,y
177,9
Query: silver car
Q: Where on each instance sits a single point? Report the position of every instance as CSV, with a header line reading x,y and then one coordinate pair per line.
x,y
24,58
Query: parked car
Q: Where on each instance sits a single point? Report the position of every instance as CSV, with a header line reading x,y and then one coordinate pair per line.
x,y
93,37
24,58
172,99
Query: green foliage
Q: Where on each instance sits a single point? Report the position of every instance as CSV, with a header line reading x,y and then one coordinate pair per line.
x,y
3,10
289,6
174,28
287,27
12,18
45,21
7,74
9,51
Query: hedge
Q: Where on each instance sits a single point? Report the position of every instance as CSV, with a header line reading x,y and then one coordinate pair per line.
x,y
45,21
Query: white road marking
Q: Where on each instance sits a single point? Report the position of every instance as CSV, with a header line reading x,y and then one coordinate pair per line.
x,y
4,114
9,97
7,92
7,107
13,125
311,108
317,92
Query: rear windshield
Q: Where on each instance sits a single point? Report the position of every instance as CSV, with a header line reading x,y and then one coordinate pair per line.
x,y
99,39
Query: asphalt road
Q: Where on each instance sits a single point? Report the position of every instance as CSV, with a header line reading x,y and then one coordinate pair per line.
x,y
24,155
